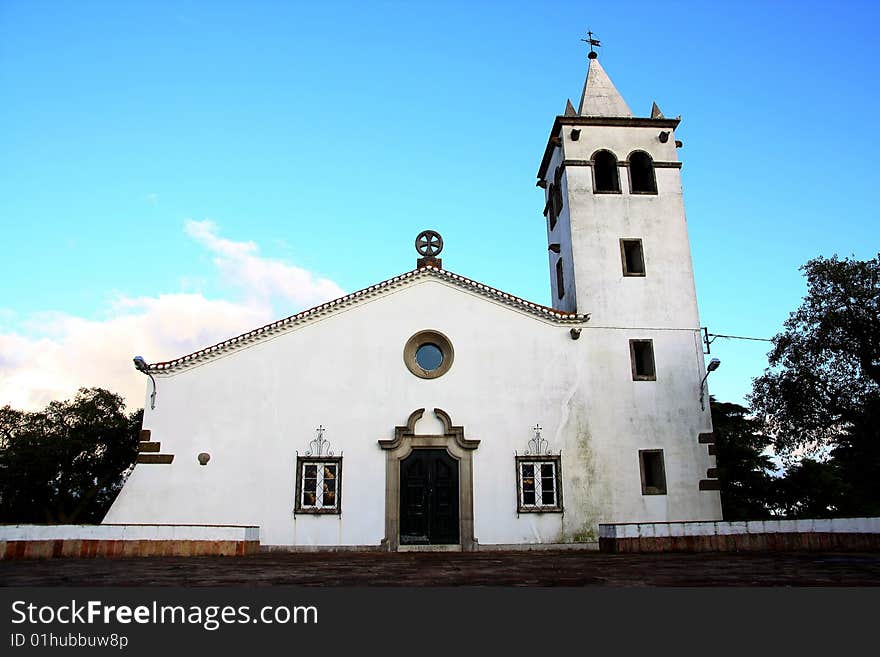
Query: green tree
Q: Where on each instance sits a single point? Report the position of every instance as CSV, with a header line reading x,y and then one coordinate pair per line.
x,y
744,468
811,489
856,458
67,462
821,394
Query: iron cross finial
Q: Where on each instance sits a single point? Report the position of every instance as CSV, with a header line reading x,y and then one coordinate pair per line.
x,y
537,445
319,446
593,42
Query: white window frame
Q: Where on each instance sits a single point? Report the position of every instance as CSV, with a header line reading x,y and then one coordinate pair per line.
x,y
320,463
539,506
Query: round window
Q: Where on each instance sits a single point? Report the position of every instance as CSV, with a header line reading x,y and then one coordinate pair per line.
x,y
429,357
428,354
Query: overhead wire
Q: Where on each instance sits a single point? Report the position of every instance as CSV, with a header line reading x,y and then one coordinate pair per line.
x,y
737,337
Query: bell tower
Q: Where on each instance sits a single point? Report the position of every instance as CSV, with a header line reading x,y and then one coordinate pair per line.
x,y
616,228
619,251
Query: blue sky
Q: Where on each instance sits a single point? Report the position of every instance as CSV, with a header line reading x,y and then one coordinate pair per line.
x,y
168,168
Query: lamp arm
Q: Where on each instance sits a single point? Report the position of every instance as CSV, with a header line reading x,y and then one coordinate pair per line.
x,y
703,390
152,394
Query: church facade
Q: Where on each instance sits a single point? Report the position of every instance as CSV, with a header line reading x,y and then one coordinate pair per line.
x,y
430,411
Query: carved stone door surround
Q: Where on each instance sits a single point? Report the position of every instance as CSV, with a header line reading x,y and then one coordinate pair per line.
x,y
404,442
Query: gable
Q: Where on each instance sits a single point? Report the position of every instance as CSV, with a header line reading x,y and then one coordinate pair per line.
x,y
460,284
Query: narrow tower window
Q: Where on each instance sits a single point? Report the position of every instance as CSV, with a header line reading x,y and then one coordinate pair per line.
x,y
560,280
653,472
548,208
605,177
557,192
642,356
641,173
554,198
633,257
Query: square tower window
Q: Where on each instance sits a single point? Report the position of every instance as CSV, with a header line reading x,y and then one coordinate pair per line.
x,y
633,257
560,279
642,356
653,471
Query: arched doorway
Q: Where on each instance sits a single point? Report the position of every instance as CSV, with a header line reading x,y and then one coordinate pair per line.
x,y
429,487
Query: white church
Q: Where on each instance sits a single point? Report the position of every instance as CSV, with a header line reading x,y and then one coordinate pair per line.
x,y
430,411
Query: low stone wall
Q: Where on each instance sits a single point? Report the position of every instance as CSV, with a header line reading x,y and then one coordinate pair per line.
x,y
844,534
114,541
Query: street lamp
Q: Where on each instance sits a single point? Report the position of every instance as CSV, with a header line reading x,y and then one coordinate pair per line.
x,y
141,366
711,367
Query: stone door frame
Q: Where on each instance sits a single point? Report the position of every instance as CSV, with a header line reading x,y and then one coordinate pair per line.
x,y
457,446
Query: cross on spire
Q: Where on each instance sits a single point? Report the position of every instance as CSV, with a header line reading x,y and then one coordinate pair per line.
x,y
593,42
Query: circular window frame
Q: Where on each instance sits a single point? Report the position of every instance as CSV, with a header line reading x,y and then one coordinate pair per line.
x,y
428,337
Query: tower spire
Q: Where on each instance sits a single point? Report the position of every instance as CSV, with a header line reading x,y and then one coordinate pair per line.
x,y
600,97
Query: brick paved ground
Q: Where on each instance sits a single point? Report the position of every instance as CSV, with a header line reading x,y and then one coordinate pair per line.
x,y
537,568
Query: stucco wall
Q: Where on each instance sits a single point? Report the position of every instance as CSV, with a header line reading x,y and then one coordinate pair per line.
x,y
254,408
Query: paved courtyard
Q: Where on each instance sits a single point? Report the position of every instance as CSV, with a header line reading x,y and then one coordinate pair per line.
x,y
534,568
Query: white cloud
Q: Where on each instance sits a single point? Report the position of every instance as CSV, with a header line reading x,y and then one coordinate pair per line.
x,y
261,279
53,354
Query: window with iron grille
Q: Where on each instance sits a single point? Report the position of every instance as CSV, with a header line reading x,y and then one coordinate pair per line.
x,y
538,482
318,485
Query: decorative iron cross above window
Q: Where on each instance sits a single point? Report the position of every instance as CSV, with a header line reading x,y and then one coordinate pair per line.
x,y
537,445
318,478
538,477
320,446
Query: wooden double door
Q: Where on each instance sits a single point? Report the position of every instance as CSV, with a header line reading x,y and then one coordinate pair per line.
x,y
429,498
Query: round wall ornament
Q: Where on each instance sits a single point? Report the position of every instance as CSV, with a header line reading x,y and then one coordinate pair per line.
x,y
429,243
428,354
